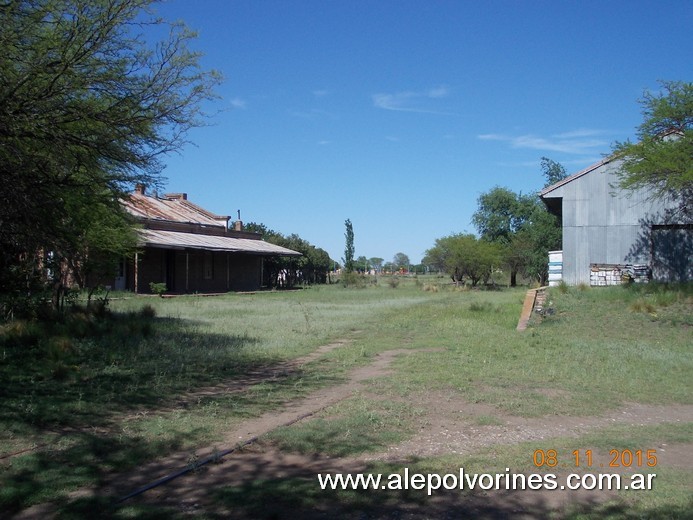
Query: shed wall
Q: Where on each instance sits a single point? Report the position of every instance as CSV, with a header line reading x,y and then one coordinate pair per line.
x,y
603,224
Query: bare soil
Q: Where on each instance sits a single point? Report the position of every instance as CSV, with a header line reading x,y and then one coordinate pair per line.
x,y
448,425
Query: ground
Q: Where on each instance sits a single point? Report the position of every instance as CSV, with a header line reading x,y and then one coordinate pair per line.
x,y
446,425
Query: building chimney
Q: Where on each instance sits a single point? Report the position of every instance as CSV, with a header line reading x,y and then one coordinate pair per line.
x,y
176,196
140,189
238,226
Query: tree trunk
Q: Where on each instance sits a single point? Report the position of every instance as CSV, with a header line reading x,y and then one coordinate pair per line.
x,y
513,277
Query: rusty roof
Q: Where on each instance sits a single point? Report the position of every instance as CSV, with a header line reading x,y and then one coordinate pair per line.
x,y
177,240
172,209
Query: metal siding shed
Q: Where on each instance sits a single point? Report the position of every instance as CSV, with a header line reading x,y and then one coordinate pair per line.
x,y
602,224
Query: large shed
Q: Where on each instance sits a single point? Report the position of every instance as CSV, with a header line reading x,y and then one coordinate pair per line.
x,y
610,230
191,249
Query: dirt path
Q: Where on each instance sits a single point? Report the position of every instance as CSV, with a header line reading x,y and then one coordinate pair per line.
x,y
447,426
253,428
452,426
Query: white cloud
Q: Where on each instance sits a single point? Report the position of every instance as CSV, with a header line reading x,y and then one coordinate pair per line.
x,y
411,101
582,141
238,103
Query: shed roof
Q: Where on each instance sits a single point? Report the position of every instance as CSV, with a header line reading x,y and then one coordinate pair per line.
x,y
546,191
177,240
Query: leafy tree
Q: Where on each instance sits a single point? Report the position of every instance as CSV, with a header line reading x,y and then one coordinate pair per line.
x,y
501,214
87,109
361,264
662,159
553,172
463,255
376,263
390,267
401,261
541,234
349,247
522,226
310,268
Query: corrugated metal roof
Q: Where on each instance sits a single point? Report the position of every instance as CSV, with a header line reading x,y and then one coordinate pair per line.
x,y
176,240
574,176
173,210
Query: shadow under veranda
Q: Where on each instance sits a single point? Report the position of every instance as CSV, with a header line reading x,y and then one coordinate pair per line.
x,y
67,403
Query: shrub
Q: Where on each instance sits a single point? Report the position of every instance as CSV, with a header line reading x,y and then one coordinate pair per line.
x,y
393,282
353,279
158,288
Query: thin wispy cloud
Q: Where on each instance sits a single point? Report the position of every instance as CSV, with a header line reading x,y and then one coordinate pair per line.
x,y
412,101
320,93
582,141
239,103
313,113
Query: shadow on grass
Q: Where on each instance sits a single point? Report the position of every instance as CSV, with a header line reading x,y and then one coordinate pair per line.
x,y
97,403
127,367
302,497
47,475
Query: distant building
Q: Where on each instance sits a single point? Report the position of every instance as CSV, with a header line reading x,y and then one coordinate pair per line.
x,y
609,232
190,249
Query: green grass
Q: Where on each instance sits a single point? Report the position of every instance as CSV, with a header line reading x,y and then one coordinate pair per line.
x,y
99,396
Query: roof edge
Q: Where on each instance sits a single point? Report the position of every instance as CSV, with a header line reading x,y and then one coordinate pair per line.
x,y
574,176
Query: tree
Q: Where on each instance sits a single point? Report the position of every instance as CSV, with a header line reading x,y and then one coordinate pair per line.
x,y
501,214
401,261
361,264
310,268
463,255
376,263
553,172
522,226
541,234
349,247
87,109
662,159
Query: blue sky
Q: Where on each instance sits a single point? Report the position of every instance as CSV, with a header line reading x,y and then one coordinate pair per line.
x,y
399,114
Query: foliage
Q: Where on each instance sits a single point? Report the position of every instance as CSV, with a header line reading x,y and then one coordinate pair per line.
x,y
522,226
552,171
376,263
463,255
662,159
353,279
349,246
87,108
531,244
500,214
311,268
401,261
362,264
158,288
